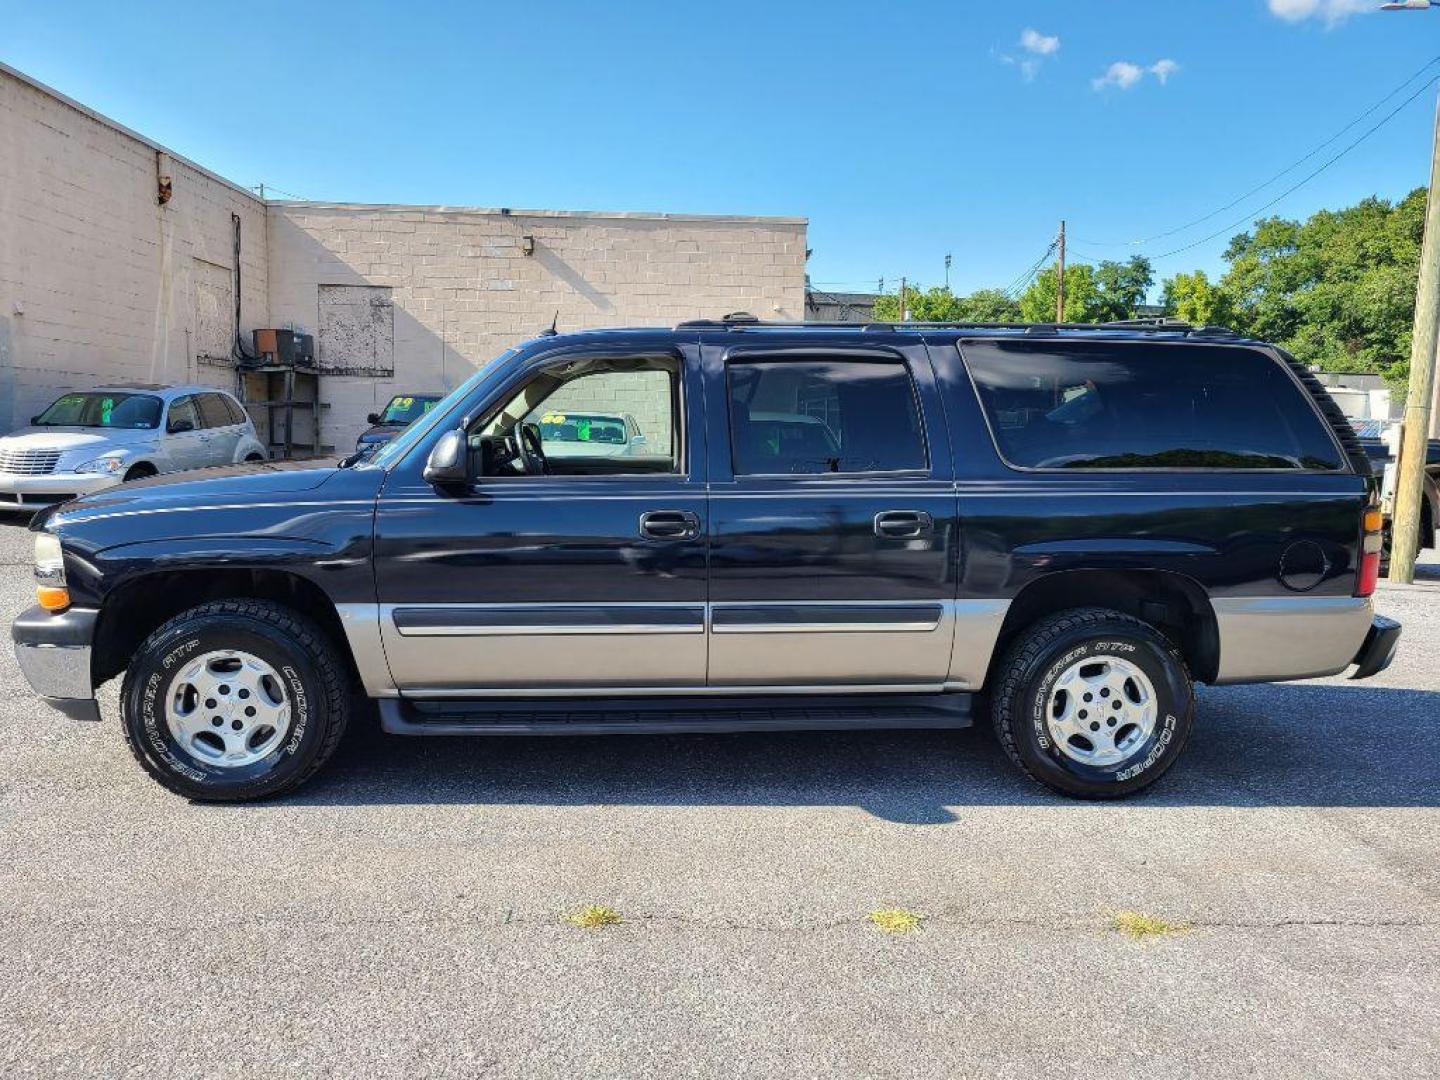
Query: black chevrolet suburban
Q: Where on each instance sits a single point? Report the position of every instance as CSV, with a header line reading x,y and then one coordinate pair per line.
x,y
828,526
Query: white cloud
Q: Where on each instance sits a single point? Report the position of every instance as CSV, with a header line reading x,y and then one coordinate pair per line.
x,y
1032,41
1163,69
1330,11
1122,74
1036,48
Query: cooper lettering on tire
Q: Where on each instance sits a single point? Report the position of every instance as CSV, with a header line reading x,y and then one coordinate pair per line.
x,y
234,700
1106,702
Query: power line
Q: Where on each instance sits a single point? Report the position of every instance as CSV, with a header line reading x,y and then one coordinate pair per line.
x,y
1301,183
262,188
1019,284
1283,172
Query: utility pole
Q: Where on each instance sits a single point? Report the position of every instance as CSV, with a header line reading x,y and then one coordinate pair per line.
x,y
1410,469
902,299
947,273
1060,279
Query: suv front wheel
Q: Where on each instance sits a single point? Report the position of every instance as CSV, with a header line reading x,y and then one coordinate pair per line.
x,y
234,700
1093,703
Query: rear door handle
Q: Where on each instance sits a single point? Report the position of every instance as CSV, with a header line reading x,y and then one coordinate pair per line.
x,y
669,525
903,524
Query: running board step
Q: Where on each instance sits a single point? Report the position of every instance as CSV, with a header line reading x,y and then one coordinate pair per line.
x,y
649,716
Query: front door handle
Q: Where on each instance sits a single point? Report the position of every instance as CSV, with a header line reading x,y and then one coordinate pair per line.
x,y
669,525
903,524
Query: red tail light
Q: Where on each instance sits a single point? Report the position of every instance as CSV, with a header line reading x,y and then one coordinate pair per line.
x,y
1372,541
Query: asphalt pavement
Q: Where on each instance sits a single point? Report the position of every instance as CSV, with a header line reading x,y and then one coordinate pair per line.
x,y
403,915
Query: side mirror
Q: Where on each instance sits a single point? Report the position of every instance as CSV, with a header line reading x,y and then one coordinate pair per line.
x,y
34,419
373,418
447,461
176,427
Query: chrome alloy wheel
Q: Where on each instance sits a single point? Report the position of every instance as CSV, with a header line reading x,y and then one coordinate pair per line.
x,y
228,708
1101,710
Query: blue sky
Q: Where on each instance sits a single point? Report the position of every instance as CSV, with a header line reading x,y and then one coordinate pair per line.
x,y
902,131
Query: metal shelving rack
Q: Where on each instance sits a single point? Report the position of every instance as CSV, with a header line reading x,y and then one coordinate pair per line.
x,y
286,393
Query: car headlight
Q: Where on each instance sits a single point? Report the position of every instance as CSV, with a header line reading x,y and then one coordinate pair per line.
x,y
50,587
109,465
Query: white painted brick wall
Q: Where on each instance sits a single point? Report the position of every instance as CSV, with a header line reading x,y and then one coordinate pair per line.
x,y
463,291
98,283
96,279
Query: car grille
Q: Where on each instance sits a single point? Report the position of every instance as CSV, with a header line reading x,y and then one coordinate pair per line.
x,y
28,462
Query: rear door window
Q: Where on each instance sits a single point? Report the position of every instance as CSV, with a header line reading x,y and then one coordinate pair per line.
x,y
824,416
1149,405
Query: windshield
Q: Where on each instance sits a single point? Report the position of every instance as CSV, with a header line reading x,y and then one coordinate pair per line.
x,y
581,428
102,409
399,446
404,408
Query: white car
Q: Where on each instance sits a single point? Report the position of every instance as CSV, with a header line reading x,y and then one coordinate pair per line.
x,y
93,439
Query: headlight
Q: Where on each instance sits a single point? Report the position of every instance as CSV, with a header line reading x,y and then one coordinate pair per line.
x,y
50,587
109,466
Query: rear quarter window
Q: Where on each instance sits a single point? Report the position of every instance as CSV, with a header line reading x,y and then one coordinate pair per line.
x,y
1145,405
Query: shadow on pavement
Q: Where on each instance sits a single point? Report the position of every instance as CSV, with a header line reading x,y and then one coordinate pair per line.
x,y
1296,745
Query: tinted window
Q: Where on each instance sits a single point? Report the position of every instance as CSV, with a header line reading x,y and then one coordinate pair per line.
x,y
213,411
1107,405
183,409
102,409
824,416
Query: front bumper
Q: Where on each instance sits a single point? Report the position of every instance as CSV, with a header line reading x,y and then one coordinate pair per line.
x,y
33,492
1379,648
54,655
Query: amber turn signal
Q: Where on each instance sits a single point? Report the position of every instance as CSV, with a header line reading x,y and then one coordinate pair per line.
x,y
1374,521
52,599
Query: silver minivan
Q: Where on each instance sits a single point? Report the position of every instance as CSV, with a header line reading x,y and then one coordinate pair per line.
x,y
87,440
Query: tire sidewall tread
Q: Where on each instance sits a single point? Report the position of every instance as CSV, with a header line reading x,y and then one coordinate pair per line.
x,y
1037,658
308,662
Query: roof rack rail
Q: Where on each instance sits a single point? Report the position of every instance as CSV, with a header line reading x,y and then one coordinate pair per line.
x,y
1148,320
1158,324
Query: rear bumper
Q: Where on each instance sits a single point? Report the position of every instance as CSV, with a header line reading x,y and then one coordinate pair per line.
x,y
54,655
1378,649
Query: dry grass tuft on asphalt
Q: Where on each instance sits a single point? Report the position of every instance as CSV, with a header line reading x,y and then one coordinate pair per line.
x,y
895,920
593,917
1138,926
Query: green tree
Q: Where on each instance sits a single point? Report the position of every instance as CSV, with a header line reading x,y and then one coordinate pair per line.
x,y
1197,300
1337,290
1083,302
1122,287
939,304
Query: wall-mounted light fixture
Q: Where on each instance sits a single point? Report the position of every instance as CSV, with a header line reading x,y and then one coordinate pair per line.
x,y
527,244
163,188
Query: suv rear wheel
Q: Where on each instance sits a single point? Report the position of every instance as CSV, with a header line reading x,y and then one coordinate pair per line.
x,y
234,700
1093,703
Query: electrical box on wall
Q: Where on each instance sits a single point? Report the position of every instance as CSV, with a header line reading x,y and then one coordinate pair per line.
x,y
285,347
